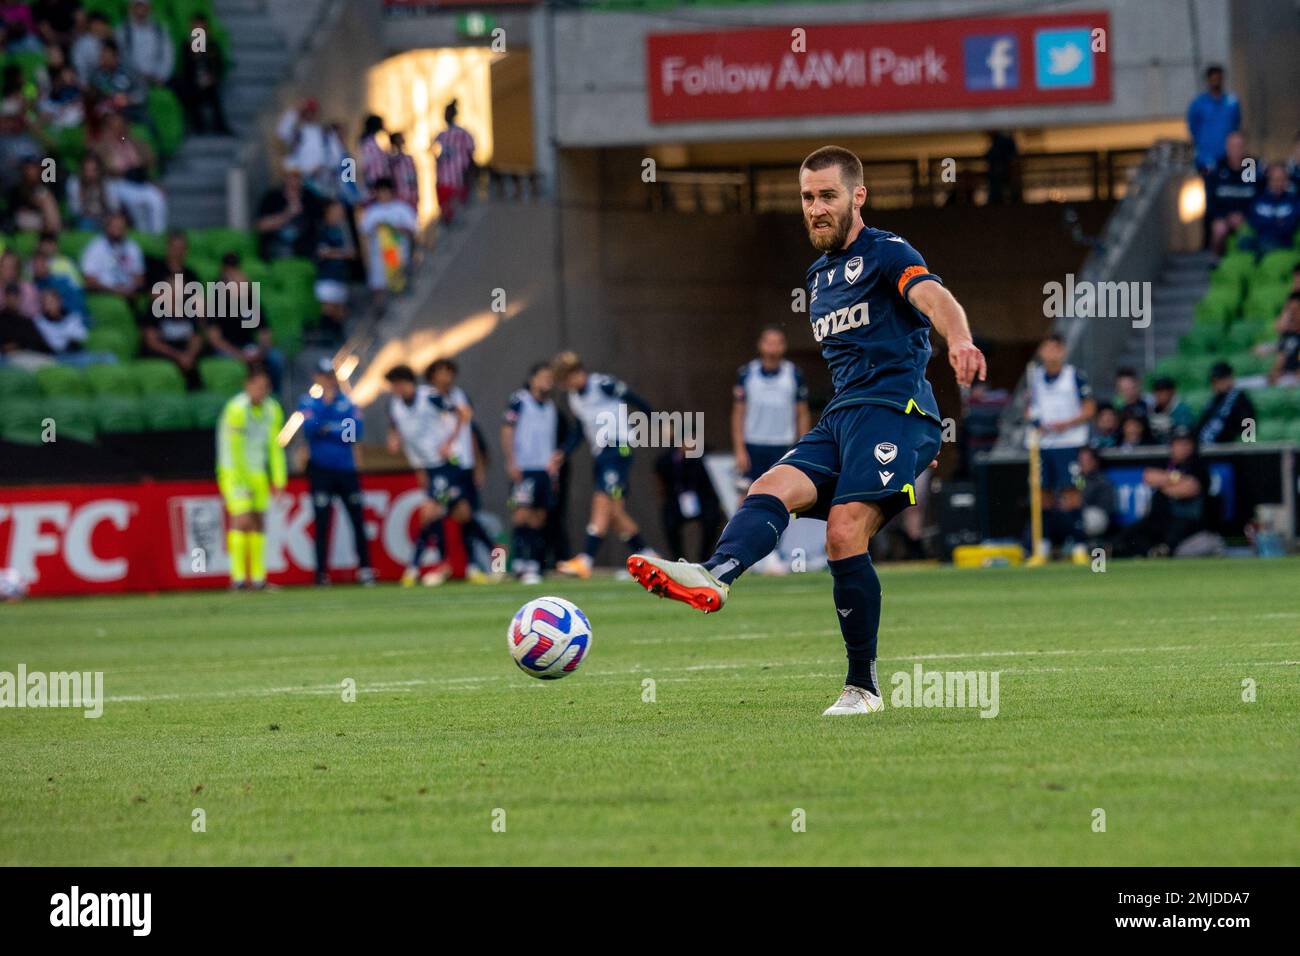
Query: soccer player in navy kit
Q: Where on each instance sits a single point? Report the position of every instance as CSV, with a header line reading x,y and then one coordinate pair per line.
x,y
872,302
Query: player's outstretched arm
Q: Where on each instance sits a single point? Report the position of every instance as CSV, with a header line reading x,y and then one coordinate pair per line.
x,y
946,314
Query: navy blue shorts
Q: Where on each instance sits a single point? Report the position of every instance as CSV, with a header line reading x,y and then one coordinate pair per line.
x,y
763,457
866,453
609,472
536,489
449,484
1057,467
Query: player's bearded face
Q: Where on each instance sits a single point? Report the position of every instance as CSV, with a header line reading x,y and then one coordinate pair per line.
x,y
829,219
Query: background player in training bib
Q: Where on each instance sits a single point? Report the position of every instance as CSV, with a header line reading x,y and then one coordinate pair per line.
x,y
770,407
598,403
250,469
872,302
421,428
528,436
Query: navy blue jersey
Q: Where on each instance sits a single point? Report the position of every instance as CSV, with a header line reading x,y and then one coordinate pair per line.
x,y
876,344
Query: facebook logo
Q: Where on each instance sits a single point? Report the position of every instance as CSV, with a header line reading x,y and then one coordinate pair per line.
x,y
1063,59
992,62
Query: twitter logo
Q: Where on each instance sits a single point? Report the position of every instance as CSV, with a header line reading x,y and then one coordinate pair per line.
x,y
1063,59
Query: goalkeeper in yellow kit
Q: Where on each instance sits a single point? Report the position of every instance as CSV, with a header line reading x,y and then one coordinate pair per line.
x,y
250,470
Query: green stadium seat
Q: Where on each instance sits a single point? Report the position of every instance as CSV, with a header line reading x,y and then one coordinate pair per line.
x,y
118,342
1215,311
1200,340
23,243
221,376
69,145
205,408
1271,403
206,268
72,418
1238,265
112,380
18,383
1265,299
1271,430
1240,337
168,412
72,242
151,243
61,380
109,311
1197,399
167,117
1293,431
293,273
119,415
157,376
1276,266
21,421
1248,363
216,241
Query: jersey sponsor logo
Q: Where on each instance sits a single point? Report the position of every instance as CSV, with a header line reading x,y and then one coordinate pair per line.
x,y
886,452
852,270
841,320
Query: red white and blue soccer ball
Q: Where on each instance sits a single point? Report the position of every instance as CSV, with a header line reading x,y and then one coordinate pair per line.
x,y
549,638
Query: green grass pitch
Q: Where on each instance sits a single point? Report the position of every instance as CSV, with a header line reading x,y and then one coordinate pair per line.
x,y
1120,692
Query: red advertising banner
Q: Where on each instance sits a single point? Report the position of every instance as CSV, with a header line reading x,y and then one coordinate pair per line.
x,y
846,68
157,536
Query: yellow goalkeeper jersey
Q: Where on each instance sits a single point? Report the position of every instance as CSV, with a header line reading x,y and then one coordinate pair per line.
x,y
248,439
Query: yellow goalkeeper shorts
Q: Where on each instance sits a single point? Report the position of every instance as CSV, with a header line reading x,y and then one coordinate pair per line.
x,y
245,492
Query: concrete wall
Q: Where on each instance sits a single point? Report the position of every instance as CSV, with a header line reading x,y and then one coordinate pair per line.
x,y
601,82
1265,72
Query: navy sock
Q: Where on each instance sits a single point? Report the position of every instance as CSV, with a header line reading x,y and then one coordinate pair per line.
x,y
635,542
749,536
857,605
593,545
430,533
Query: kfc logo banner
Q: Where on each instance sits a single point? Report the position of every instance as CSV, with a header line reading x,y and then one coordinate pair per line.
x,y
153,536
878,67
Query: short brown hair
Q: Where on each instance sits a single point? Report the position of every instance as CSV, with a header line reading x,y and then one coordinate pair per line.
x,y
564,364
849,165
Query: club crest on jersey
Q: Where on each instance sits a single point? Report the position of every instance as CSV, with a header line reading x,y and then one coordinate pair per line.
x,y
853,269
886,452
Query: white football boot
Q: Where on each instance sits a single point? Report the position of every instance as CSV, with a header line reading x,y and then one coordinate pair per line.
x,y
692,584
854,700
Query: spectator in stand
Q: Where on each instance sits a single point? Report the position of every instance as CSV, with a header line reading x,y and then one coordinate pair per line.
x,y
87,45
1230,189
64,332
1105,428
1098,503
335,254
334,185
55,20
62,105
1128,399
60,265
1178,503
1274,216
406,182
1133,431
16,109
1230,412
112,261
288,218
146,45
90,198
32,205
69,292
1168,411
127,164
1212,115
389,226
198,82
245,336
1003,161
18,38
1286,366
11,267
374,158
1293,163
21,343
118,88
168,331
454,149
302,134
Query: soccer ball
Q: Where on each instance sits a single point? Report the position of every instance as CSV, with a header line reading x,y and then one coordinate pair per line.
x,y
549,637
12,585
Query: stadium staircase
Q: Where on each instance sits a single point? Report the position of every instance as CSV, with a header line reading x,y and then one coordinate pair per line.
x,y
195,180
1184,280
